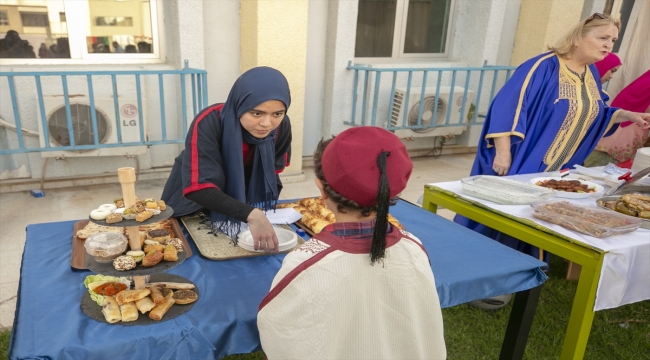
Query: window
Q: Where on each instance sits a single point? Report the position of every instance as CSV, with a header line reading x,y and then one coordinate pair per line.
x,y
403,28
4,18
113,21
99,31
34,19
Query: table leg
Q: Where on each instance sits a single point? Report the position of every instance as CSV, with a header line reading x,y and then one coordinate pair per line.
x,y
427,202
519,324
582,313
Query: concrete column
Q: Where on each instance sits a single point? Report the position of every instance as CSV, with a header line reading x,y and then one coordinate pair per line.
x,y
541,23
274,33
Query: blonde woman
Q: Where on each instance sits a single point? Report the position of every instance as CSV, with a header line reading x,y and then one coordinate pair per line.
x,y
551,114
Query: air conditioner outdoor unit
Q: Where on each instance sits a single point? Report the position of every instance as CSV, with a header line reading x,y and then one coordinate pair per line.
x,y
57,125
445,106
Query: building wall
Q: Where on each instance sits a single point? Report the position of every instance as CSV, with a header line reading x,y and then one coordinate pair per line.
x,y
541,23
274,33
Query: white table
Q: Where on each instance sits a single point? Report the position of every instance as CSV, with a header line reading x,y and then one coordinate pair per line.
x,y
616,269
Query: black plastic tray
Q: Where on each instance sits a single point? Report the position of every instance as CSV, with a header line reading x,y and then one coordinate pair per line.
x,y
94,311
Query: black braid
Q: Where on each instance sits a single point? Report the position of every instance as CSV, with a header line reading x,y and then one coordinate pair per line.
x,y
378,248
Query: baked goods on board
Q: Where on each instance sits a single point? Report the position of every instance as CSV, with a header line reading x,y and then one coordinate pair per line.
x,y
116,212
127,304
316,215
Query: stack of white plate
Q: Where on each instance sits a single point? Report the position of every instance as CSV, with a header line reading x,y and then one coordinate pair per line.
x,y
286,239
641,160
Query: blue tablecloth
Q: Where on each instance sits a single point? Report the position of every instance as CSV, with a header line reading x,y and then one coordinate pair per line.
x,y
50,324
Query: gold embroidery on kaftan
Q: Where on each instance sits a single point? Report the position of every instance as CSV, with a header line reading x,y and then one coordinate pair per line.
x,y
573,128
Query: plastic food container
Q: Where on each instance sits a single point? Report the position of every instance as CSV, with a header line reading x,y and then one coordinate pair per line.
x,y
592,221
504,191
105,247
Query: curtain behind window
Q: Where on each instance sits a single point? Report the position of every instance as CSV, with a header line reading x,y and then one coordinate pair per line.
x,y
375,28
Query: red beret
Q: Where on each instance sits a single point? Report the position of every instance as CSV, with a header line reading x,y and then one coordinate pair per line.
x,y
350,163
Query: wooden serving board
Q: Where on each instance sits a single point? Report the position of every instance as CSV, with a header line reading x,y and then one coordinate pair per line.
x,y
78,253
220,246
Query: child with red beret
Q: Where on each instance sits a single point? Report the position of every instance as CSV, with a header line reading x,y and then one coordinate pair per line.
x,y
361,288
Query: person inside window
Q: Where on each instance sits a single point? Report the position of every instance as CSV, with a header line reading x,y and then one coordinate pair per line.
x,y
550,114
233,154
361,288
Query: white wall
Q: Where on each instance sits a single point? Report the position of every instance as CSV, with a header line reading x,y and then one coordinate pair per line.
x,y
221,47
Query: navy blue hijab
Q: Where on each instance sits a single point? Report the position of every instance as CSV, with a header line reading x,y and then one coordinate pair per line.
x,y
253,87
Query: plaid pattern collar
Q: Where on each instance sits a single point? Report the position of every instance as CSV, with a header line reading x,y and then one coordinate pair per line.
x,y
353,230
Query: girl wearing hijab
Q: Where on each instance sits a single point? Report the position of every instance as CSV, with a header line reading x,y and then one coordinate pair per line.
x,y
607,67
233,154
621,146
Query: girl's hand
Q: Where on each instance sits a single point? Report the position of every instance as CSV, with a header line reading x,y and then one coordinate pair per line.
x,y
263,232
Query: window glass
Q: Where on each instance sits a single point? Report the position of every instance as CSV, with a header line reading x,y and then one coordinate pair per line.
x,y
375,28
426,26
119,26
33,29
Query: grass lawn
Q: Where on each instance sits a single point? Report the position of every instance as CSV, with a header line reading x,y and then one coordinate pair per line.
x,y
471,333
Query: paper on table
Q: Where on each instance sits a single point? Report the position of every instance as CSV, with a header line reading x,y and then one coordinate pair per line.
x,y
283,216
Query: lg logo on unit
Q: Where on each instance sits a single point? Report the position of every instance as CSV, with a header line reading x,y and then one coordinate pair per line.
x,y
129,111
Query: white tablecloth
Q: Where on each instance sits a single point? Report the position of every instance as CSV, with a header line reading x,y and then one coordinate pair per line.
x,y
625,276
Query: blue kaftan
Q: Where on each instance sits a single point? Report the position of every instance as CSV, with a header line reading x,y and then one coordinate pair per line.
x,y
554,121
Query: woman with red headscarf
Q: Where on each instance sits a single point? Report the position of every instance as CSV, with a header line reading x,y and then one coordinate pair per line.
x,y
628,138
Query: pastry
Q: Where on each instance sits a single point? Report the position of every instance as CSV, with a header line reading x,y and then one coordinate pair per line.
x,y
145,304
137,255
126,296
109,207
178,244
172,285
100,214
167,292
159,235
183,297
170,253
152,258
160,310
156,295
143,216
129,312
151,205
161,205
123,263
111,310
113,218
138,207
148,248
91,229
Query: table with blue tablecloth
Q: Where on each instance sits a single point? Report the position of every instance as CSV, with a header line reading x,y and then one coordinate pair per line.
x,y
50,324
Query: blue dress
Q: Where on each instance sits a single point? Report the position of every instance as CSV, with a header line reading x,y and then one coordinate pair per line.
x,y
554,117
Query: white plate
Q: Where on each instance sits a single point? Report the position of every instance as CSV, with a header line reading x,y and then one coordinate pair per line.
x,y
571,195
596,174
286,240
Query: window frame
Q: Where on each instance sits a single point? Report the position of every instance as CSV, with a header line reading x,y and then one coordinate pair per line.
x,y
79,54
399,38
7,17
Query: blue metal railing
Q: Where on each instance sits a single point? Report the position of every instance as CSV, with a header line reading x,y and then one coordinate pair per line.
x,y
385,101
199,101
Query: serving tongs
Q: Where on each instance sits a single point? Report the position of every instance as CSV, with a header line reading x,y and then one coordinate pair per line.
x,y
629,185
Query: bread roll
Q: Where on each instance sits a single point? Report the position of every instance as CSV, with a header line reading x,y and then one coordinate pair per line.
x,y
156,295
145,304
126,296
129,312
111,310
159,311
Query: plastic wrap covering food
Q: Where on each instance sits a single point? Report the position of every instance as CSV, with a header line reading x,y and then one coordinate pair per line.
x,y
596,222
105,247
504,191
